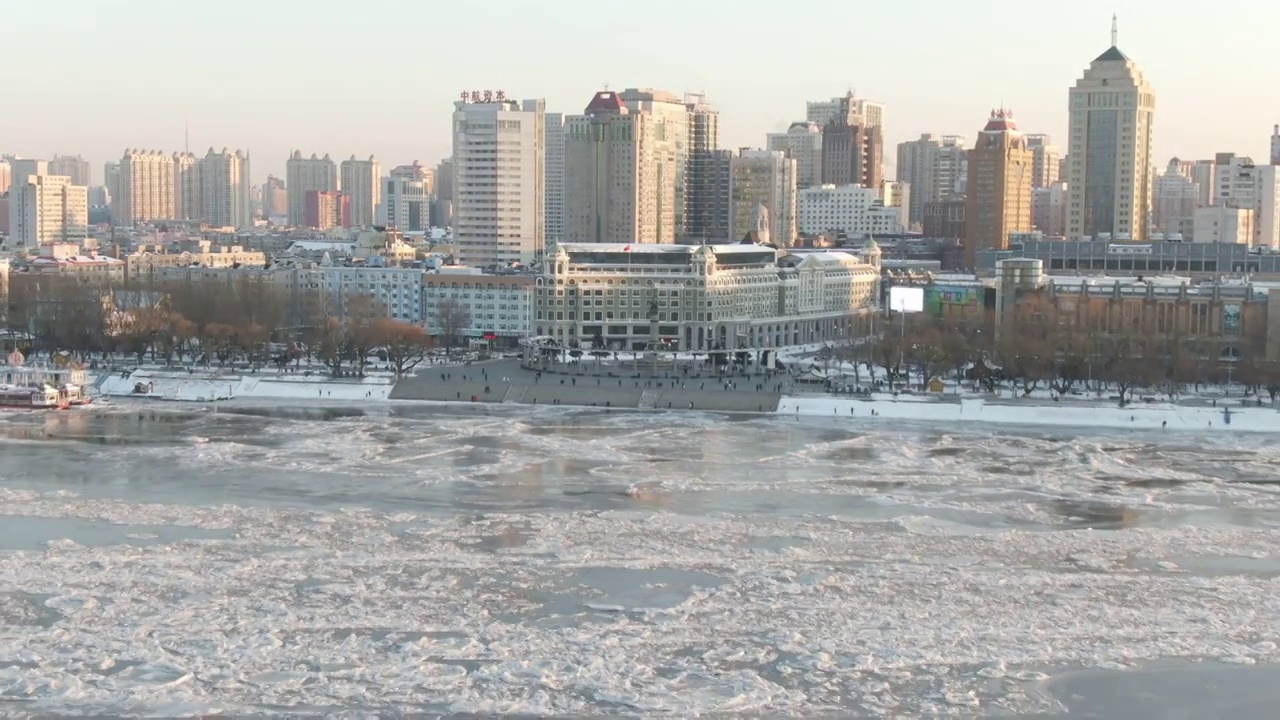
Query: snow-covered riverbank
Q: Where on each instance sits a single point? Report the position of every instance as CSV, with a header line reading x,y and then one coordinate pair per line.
x,y
218,385
1068,414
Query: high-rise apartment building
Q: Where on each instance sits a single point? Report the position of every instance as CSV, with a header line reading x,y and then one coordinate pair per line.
x,y
554,183
1275,145
852,151
188,196
499,176
6,175
1241,183
998,201
442,188
767,178
670,141
147,183
72,166
23,168
362,184
47,209
1047,160
934,166
303,174
406,198
275,199
619,179
111,181
1176,196
224,189
327,209
1112,114
1202,173
801,142
1049,209
703,179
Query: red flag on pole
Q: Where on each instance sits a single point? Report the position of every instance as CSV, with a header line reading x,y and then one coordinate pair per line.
x,y
626,249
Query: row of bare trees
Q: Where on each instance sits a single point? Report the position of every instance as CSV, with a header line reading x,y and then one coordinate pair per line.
x,y
212,322
1032,352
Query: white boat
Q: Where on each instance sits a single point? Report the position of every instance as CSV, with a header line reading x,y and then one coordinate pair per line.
x,y
29,397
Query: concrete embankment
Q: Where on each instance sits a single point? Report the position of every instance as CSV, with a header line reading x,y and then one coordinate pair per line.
x,y
549,391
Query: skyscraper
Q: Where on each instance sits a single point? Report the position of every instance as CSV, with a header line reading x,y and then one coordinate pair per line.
x,y
619,179
362,184
275,200
187,193
499,176
1047,160
998,201
1240,183
72,166
147,185
768,178
701,178
1112,113
1275,145
554,184
852,147
406,198
934,167
1176,196
801,142
303,174
48,209
6,175
111,181
822,112
224,189
670,141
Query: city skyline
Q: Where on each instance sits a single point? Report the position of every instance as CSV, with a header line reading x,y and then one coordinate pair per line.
x,y
262,102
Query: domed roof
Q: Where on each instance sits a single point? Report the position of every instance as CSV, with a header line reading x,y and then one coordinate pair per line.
x,y
870,245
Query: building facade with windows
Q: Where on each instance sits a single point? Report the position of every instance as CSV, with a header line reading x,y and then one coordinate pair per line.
x,y
701,297
499,307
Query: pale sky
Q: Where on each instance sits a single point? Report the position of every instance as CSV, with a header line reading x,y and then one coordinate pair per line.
x,y
92,77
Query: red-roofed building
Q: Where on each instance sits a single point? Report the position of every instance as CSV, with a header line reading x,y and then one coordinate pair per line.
x,y
1001,167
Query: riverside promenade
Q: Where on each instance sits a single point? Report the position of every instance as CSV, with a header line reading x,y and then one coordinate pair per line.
x,y
505,381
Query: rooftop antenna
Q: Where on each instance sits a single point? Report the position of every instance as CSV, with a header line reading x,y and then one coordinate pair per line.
x,y
1115,31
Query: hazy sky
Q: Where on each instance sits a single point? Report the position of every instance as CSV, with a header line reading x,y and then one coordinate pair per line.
x,y
379,76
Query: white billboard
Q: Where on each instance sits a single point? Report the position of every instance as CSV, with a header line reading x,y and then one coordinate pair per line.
x,y
906,299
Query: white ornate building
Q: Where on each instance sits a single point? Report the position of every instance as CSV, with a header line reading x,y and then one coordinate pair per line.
x,y
706,297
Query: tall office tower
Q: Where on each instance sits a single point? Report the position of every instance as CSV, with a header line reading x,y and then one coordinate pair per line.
x,y
442,188
554,183
619,179
934,167
406,198
1176,196
852,152
48,209
6,176
1275,145
1112,115
1240,183
499,175
822,112
999,198
1048,160
801,142
303,174
768,178
146,188
670,140
275,199
187,193
362,183
23,168
224,189
111,181
72,166
700,174
1202,173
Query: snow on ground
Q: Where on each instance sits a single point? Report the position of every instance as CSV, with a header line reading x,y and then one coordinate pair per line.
x,y
1035,412
210,386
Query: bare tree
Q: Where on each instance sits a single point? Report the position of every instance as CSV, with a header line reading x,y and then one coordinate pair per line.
x,y
406,344
454,317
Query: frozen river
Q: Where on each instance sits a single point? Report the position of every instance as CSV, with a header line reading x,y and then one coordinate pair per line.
x,y
157,559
